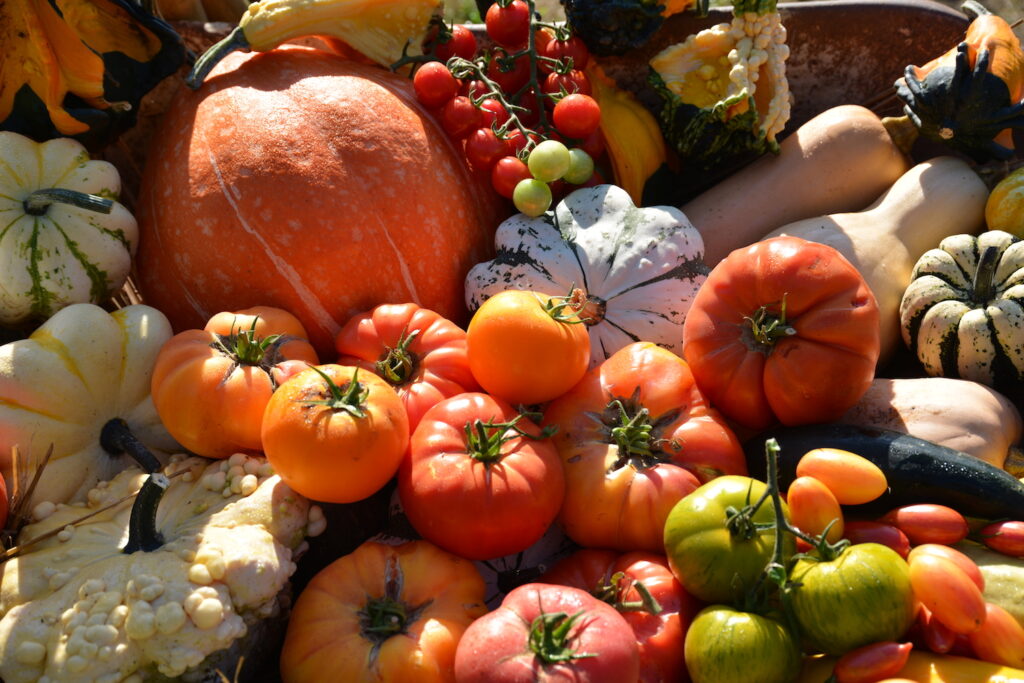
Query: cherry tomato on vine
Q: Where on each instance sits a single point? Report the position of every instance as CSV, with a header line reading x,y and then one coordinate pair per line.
x,y
574,81
484,148
510,76
459,117
508,26
461,43
581,167
434,84
532,197
549,161
518,141
577,116
474,89
493,113
593,144
563,50
506,174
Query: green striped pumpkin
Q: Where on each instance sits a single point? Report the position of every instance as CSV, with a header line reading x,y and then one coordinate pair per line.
x,y
63,237
963,313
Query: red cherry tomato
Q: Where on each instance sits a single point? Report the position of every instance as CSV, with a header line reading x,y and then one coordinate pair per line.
x,y
508,26
1005,537
493,113
434,84
518,141
459,117
563,50
872,662
506,174
484,148
461,43
577,116
568,83
593,144
510,76
878,532
929,523
474,89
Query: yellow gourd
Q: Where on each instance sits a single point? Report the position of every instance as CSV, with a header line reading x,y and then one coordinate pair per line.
x,y
1004,209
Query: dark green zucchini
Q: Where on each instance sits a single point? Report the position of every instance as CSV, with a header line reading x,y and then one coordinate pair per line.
x,y
918,471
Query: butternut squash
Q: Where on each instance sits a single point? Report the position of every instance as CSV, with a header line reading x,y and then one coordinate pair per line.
x,y
840,160
957,413
934,199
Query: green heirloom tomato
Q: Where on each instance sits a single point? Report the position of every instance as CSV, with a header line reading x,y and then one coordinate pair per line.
x,y
862,596
714,560
725,645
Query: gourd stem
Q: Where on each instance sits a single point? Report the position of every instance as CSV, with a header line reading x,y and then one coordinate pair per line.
x,y
235,40
973,9
116,438
142,532
902,131
985,275
39,201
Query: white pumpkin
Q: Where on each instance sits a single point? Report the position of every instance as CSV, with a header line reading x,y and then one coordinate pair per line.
x,y
79,371
638,267
53,252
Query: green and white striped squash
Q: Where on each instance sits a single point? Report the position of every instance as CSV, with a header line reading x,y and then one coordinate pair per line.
x,y
963,313
64,238
639,268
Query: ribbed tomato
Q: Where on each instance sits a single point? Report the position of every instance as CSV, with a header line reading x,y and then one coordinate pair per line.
x,y
862,596
415,350
636,435
727,644
772,322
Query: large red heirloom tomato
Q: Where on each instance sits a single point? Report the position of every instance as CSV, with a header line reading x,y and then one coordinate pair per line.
x,y
299,179
784,329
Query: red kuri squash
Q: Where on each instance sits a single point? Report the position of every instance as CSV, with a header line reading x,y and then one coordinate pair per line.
x,y
299,179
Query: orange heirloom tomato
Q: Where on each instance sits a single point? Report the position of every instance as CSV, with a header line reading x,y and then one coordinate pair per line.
x,y
335,433
635,436
478,480
527,347
783,330
383,613
211,386
415,350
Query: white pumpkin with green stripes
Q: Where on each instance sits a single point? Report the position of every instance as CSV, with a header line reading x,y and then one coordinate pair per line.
x,y
64,238
963,313
638,268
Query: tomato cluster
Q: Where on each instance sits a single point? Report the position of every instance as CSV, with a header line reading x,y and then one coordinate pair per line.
x,y
522,110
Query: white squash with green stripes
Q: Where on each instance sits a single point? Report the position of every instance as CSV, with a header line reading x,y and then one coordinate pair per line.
x,y
64,238
639,268
963,313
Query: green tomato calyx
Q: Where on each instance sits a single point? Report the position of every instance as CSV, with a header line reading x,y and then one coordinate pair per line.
x,y
350,397
485,439
549,638
767,327
398,364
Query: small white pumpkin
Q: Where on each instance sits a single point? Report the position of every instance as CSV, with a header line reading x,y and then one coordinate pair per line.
x,y
963,313
638,267
58,245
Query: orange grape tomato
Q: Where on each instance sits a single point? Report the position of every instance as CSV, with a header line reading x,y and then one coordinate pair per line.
x,y
948,592
1000,639
953,555
1005,537
853,479
929,523
527,347
812,507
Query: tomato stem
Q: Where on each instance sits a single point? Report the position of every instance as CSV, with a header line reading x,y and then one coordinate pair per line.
x,y
485,439
767,327
615,588
398,364
244,347
350,398
549,636
566,309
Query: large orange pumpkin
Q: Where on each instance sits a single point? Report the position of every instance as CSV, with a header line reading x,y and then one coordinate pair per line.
x,y
299,179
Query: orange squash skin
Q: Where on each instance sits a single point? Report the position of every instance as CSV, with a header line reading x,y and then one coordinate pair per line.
x,y
299,179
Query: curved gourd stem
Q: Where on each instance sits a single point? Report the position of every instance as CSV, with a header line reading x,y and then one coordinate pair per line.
x,y
142,532
234,41
37,203
974,9
116,438
985,274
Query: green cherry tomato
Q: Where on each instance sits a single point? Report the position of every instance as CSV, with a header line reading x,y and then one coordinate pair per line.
x,y
726,645
581,167
532,197
714,562
862,596
549,161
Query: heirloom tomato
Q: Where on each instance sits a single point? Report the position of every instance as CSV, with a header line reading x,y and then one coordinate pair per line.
x,y
415,350
717,555
636,435
624,581
726,644
861,596
543,632
383,613
479,480
783,330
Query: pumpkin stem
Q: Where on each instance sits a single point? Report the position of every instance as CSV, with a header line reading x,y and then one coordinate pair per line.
x,y
549,636
235,40
142,531
984,276
767,328
116,438
37,203
398,364
485,439
351,397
